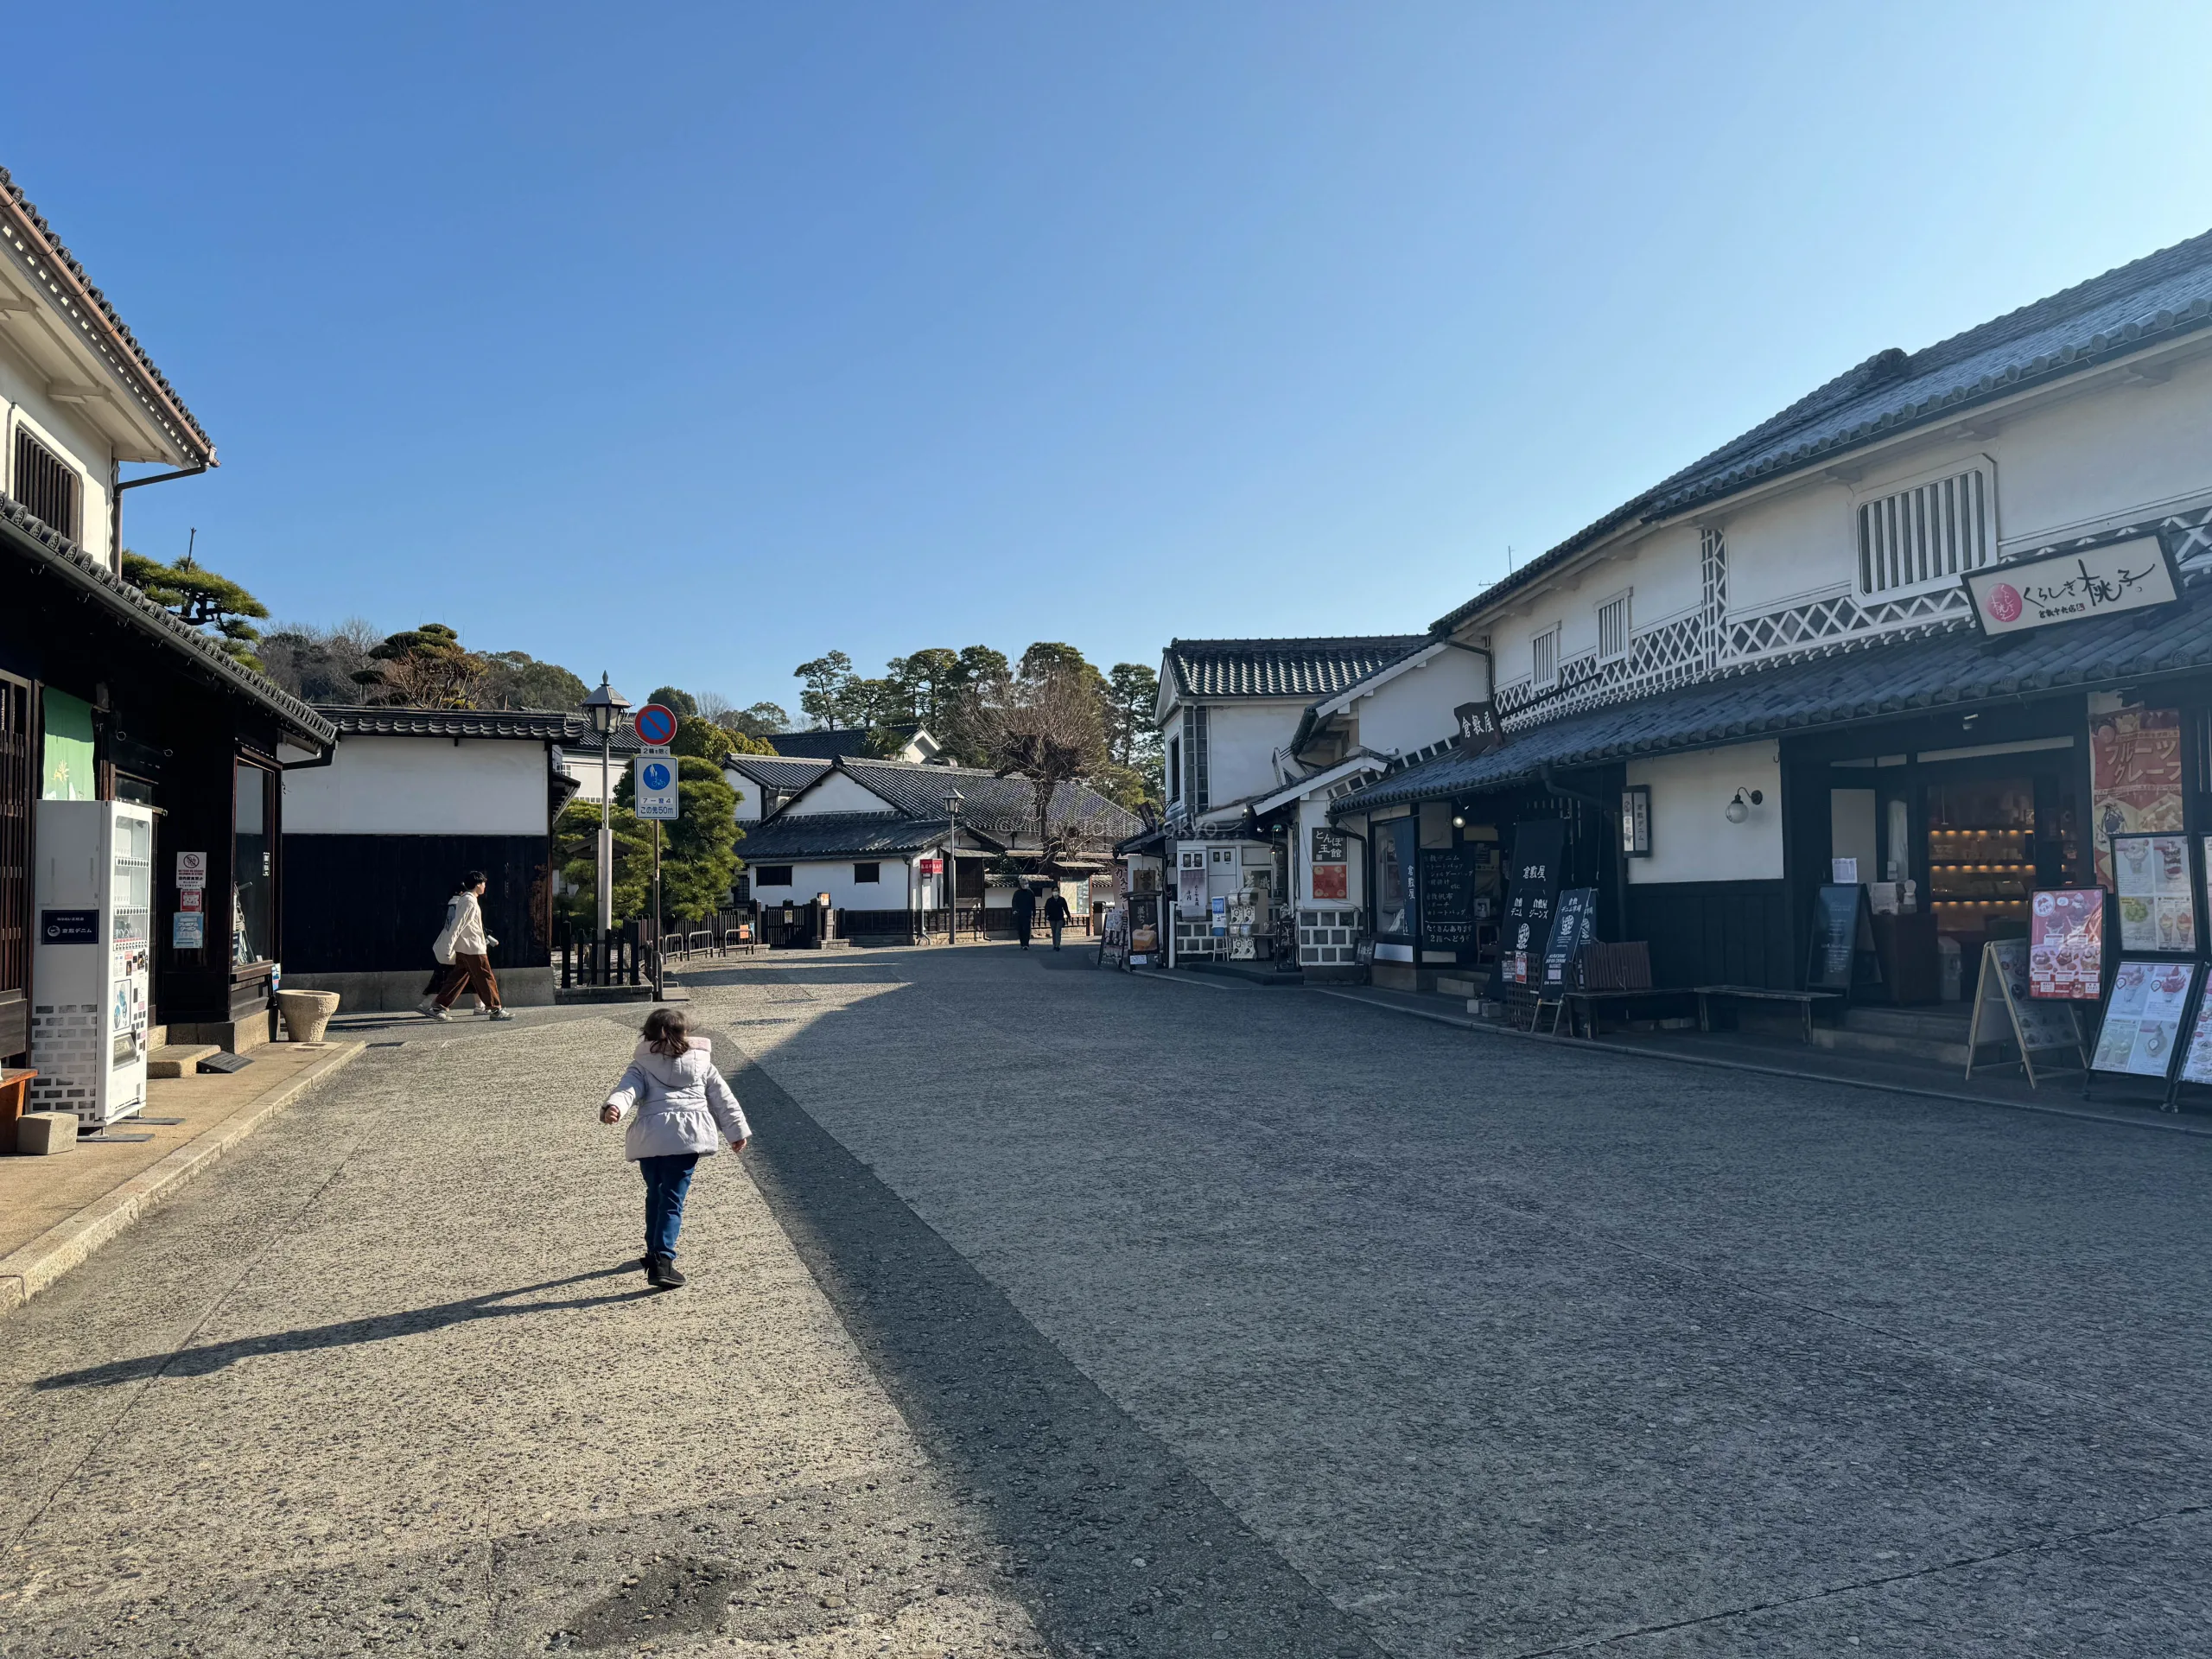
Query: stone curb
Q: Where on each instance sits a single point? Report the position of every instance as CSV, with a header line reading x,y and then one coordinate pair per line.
x,y
35,1265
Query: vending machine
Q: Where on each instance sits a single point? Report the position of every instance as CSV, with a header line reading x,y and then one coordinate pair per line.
x,y
91,958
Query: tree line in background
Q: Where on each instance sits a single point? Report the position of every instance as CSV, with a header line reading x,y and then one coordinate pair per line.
x,y
1049,717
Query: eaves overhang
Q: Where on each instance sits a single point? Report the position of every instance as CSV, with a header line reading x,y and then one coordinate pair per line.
x,y
55,556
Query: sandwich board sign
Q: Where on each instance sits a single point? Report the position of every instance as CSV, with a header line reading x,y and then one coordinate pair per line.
x,y
656,784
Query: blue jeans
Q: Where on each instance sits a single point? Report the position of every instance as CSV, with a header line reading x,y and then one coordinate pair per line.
x,y
667,1180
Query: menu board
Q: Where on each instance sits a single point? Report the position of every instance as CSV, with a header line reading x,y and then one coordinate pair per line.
x,y
2158,899
2035,1026
2197,1059
1446,890
1574,926
2066,944
1843,941
2142,1025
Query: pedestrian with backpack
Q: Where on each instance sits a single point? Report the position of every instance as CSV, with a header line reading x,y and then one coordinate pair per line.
x,y
466,949
681,1099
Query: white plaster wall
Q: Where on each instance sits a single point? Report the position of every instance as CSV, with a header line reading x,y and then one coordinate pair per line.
x,y
422,786
1241,739
835,877
61,428
2108,455
1414,709
836,791
1795,544
748,795
1691,837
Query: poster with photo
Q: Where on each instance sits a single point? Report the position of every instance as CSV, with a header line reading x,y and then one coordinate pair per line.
x,y
2142,1025
2197,1059
2135,776
2066,944
2157,896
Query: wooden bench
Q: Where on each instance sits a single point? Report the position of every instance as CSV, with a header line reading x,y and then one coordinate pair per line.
x,y
1592,1005
1806,1001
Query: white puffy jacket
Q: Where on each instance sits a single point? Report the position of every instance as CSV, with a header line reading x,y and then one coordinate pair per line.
x,y
679,1102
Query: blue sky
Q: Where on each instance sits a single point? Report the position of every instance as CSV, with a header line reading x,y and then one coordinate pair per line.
x,y
691,342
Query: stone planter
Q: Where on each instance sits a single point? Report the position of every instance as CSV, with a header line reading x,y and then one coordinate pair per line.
x,y
306,1013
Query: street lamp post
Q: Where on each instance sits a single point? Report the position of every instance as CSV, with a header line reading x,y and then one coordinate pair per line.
x,y
952,800
606,708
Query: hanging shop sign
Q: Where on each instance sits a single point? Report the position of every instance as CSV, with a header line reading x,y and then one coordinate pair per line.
x,y
1446,892
2142,1028
2158,899
2071,587
1329,864
1843,956
1479,732
1635,821
2066,944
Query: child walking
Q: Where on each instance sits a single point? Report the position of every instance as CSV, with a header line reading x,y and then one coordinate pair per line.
x,y
681,1099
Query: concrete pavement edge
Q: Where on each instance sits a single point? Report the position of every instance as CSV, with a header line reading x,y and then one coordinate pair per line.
x,y
35,1265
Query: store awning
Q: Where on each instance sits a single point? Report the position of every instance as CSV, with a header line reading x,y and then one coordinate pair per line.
x,y
1957,670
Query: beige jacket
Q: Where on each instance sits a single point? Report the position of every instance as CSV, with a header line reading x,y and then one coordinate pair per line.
x,y
463,934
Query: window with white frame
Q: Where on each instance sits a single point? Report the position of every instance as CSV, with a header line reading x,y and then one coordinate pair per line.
x,y
1544,656
1927,534
1612,629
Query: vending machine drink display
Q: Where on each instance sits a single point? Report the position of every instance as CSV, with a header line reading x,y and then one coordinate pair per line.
x,y
90,971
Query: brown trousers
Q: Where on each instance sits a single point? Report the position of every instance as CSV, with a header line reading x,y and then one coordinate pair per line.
x,y
470,974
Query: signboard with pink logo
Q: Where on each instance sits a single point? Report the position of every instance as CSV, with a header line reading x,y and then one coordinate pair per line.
x,y
2142,1028
2073,586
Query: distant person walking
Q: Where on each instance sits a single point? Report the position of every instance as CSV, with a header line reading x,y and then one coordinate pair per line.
x,y
466,948
681,1100
1025,913
1056,915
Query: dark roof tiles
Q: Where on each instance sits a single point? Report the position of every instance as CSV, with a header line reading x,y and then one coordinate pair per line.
x,y
549,725
1281,668
2161,297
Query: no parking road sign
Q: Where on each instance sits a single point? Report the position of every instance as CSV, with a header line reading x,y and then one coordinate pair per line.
x,y
655,777
656,725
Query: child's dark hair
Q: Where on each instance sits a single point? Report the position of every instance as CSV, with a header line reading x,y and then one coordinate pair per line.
x,y
668,1032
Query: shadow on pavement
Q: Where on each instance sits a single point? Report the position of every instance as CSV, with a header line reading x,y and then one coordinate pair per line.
x,y
1118,1547
199,1362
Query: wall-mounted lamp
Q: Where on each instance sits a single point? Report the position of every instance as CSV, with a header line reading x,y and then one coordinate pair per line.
x,y
1740,808
1459,820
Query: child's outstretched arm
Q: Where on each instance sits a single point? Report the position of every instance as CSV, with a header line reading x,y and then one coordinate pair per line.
x,y
625,1096
727,1113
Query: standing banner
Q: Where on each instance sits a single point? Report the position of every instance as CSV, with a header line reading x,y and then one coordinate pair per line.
x,y
2135,777
1539,845
2066,944
2002,997
1574,926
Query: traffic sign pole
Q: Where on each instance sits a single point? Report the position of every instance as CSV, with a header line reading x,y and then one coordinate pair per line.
x,y
660,922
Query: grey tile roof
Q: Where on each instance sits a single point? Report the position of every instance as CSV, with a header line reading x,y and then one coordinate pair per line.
x,y
1281,668
39,243
2162,296
55,552
822,744
836,835
773,771
991,800
551,725
1956,669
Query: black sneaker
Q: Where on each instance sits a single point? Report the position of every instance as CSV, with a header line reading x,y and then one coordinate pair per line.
x,y
663,1272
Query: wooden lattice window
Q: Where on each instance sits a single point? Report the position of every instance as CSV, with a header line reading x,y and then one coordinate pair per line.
x,y
47,486
1926,535
1612,629
1543,661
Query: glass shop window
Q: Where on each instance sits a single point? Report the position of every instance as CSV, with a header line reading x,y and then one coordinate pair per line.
x,y
253,878
1982,854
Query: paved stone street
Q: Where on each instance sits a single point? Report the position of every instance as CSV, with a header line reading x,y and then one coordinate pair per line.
x,y
1104,1316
